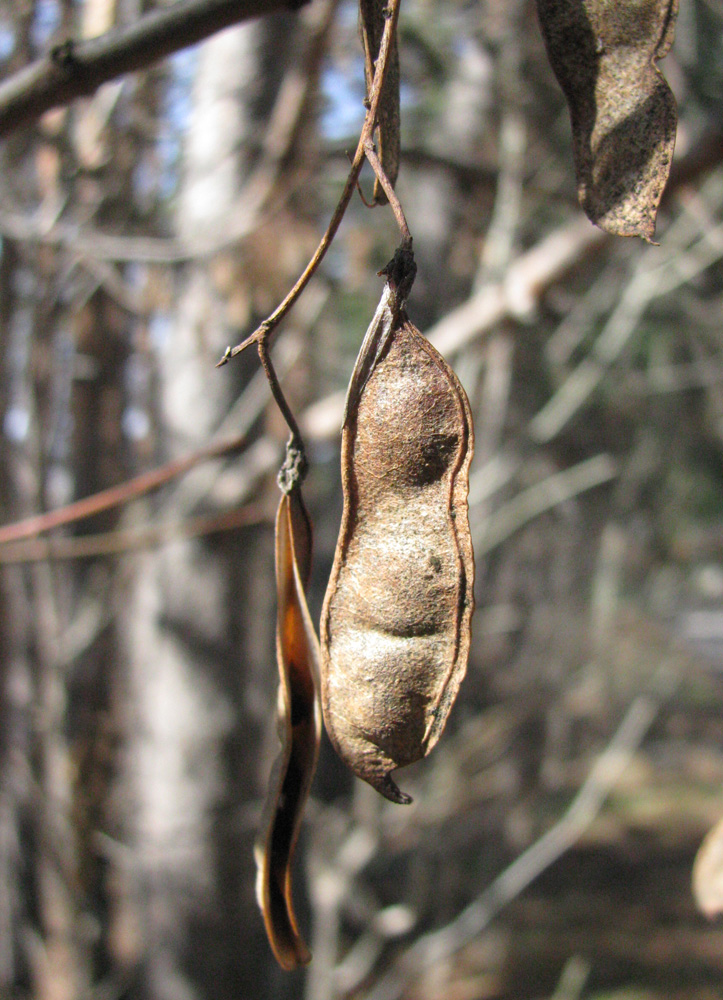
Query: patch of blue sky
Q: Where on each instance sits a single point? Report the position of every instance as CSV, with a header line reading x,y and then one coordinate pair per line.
x,y
135,275
7,40
135,423
408,96
179,93
177,107
160,329
16,423
168,158
343,94
145,181
349,15
46,21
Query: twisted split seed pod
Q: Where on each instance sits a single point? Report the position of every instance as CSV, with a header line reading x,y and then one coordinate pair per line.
x,y
395,625
299,721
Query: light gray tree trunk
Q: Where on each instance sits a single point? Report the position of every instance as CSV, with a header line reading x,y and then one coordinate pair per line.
x,y
199,614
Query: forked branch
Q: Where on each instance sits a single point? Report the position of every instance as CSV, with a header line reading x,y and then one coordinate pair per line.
x,y
266,328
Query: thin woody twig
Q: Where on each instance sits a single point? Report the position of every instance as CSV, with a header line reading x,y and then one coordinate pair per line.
x,y
271,322
365,203
77,69
267,189
275,385
127,540
394,202
116,495
242,415
436,946
551,492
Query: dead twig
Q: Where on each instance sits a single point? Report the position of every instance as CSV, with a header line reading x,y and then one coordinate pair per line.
x,y
396,206
266,328
241,417
77,69
543,496
127,540
115,496
436,946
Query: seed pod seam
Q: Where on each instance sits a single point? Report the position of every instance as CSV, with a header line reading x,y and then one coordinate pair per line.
x,y
395,626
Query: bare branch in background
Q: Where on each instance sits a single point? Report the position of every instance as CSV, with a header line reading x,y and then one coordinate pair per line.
x,y
607,770
77,69
116,495
534,501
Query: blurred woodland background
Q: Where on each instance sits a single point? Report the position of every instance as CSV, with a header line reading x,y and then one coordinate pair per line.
x,y
549,848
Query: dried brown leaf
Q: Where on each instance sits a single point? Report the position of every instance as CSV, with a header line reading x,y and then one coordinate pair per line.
x,y
395,627
623,113
708,873
299,720
371,23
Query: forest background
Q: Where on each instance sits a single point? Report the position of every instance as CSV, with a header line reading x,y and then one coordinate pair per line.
x,y
145,227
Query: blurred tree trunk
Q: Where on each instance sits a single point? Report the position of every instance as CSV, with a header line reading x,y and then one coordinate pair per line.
x,y
199,614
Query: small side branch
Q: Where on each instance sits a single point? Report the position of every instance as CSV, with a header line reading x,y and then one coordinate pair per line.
x,y
293,470
438,945
271,322
77,69
394,202
115,496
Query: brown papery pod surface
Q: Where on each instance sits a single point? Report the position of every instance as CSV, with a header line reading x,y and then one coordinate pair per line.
x,y
395,625
299,720
623,113
371,25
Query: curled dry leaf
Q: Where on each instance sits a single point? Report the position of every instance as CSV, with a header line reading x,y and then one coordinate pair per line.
x,y
371,24
395,626
299,721
623,113
708,873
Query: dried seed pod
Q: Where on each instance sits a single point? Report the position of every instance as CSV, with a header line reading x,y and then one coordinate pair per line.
x,y
623,112
395,626
299,722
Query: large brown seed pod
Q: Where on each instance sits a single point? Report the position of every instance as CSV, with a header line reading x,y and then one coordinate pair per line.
x,y
395,625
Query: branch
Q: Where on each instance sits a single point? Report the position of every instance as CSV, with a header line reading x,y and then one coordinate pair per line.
x,y
115,496
534,271
436,946
651,279
122,541
265,330
77,69
543,496
388,189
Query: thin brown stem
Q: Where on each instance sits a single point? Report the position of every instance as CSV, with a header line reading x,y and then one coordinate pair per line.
x,y
116,495
365,203
271,322
396,206
127,540
277,392
294,467
77,69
